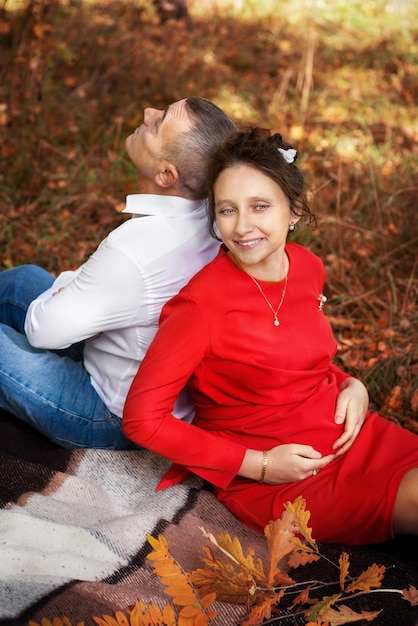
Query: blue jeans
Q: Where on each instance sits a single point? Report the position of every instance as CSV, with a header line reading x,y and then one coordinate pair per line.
x,y
50,390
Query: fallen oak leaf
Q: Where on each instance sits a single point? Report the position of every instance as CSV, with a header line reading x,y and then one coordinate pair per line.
x,y
301,519
371,577
410,594
303,598
344,566
345,615
320,608
302,556
280,543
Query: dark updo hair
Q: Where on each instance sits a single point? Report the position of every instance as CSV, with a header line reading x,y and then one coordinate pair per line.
x,y
257,148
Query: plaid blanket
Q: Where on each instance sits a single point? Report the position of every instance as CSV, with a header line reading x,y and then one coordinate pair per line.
x,y
73,528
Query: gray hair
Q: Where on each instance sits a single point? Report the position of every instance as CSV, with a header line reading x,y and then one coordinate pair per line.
x,y
191,151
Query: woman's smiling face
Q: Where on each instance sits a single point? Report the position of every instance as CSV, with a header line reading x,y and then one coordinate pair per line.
x,y
253,217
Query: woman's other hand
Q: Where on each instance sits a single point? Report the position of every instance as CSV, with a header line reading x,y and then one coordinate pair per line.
x,y
351,409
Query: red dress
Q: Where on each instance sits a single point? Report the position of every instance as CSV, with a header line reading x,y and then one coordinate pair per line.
x,y
255,385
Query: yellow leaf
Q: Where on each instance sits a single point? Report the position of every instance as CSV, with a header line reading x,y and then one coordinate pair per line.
x,y
301,519
159,544
232,549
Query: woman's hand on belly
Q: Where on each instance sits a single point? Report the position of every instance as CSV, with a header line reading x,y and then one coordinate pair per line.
x,y
351,409
286,463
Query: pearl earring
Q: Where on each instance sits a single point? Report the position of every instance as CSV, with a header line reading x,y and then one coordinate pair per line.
x,y
292,226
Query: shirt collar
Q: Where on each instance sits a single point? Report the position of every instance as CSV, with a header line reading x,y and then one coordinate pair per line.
x,y
164,206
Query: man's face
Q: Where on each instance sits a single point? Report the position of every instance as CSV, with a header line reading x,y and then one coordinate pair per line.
x,y
148,141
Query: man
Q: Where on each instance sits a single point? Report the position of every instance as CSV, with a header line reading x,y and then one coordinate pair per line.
x,y
70,347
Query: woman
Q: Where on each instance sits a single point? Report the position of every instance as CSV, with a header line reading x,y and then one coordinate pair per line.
x,y
249,337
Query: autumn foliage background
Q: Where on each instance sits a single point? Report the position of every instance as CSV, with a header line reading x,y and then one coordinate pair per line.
x,y
337,79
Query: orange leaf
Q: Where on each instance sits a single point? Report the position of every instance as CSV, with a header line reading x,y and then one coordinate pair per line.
x,y
183,598
262,610
301,519
280,535
190,610
105,620
344,565
155,614
168,615
411,595
372,577
345,615
207,600
159,544
302,598
298,558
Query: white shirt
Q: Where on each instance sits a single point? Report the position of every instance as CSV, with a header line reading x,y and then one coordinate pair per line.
x,y
114,300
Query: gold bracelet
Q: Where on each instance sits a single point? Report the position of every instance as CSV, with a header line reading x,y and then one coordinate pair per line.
x,y
264,466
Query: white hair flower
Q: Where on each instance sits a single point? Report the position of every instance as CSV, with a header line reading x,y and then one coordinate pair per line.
x,y
289,155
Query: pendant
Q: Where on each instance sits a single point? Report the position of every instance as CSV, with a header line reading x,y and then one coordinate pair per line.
x,y
321,299
276,322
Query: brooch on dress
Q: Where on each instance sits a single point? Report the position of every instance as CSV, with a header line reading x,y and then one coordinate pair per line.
x,y
321,299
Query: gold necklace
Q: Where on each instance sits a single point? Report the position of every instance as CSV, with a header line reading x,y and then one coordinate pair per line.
x,y
275,312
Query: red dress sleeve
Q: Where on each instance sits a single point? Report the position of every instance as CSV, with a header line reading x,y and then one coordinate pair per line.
x,y
340,375
181,343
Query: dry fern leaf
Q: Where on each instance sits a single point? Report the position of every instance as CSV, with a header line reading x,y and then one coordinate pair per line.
x,y
178,585
119,619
